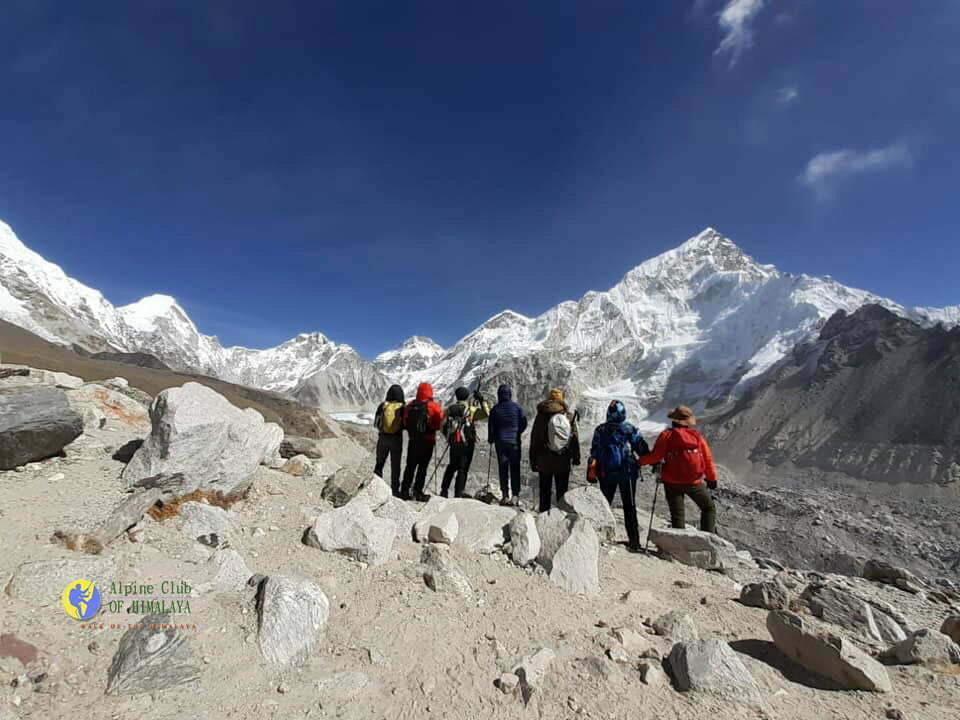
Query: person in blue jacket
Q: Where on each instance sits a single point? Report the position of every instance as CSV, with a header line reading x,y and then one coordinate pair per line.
x,y
504,429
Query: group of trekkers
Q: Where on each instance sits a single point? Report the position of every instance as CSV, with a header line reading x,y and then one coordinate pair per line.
x,y
680,454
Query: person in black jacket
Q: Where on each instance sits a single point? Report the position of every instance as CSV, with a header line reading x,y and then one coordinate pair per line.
x,y
389,422
504,429
553,465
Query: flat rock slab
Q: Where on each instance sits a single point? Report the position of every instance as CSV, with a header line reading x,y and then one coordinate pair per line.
x,y
195,519
698,549
292,616
35,423
198,433
576,565
589,503
712,666
846,610
829,656
43,582
927,647
152,656
481,528
767,595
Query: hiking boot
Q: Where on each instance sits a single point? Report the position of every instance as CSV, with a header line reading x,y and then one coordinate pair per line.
x,y
514,501
635,549
404,495
505,502
421,497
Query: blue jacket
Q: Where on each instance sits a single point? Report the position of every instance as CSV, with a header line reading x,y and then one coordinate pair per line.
x,y
507,419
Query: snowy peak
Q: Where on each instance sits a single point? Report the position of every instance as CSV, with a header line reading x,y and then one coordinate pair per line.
x,y
146,314
414,354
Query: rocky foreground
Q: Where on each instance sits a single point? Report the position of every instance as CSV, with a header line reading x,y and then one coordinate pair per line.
x,y
270,575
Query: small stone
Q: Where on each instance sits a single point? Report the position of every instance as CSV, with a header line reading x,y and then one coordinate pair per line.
x,y
652,674
507,683
93,646
894,714
685,584
283,689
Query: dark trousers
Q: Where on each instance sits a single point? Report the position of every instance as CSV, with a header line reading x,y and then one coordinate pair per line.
x,y
547,482
460,458
508,464
700,494
627,487
419,454
390,445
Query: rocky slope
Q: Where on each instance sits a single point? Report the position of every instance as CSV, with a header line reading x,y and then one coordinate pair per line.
x,y
875,396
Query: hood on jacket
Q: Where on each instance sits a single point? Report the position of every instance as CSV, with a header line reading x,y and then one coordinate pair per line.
x,y
461,393
395,394
552,407
424,392
616,412
504,393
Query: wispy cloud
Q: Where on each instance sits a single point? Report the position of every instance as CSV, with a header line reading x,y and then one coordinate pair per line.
x,y
825,170
788,94
735,20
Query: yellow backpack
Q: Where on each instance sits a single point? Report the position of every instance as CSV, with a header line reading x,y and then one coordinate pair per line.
x,y
391,418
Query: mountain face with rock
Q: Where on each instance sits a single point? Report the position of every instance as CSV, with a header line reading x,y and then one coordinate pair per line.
x,y
874,396
691,325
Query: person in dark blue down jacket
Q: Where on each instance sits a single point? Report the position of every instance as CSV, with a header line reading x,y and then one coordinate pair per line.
x,y
506,425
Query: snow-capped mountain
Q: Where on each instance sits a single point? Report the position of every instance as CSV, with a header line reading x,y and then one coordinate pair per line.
x,y
37,295
689,326
414,355
692,325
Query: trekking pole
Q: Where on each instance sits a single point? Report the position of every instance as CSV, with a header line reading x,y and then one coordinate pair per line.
x,y
656,489
436,466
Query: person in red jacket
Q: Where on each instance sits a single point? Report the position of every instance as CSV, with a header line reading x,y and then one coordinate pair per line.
x,y
687,463
421,419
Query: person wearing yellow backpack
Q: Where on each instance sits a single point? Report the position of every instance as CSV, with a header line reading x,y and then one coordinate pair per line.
x,y
389,423
460,430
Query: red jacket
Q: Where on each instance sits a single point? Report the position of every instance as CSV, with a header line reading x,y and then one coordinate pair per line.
x,y
434,412
675,439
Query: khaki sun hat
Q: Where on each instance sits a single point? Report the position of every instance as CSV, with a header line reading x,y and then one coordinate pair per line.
x,y
682,415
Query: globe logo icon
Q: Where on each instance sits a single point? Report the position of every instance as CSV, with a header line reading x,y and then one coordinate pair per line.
x,y
80,599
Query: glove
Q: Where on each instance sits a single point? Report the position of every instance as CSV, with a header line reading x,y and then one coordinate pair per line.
x,y
576,462
712,484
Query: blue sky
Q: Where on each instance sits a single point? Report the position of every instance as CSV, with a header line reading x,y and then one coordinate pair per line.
x,y
375,170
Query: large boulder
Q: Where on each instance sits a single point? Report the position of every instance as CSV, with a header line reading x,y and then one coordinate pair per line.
x,y
712,666
374,493
353,530
767,595
676,625
553,528
98,404
153,655
35,423
292,616
198,433
884,572
524,539
829,656
923,647
844,609
344,484
402,514
576,565
481,528
271,453
590,504
693,547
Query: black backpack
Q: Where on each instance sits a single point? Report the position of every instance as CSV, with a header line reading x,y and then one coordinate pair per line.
x,y
417,420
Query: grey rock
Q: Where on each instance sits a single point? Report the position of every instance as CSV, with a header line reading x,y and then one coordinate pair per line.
x,y
767,595
590,504
292,616
35,423
293,445
230,571
197,432
298,466
343,684
844,609
524,539
153,656
652,674
553,528
531,671
884,572
482,528
441,573
443,527
196,519
374,493
344,485
696,548
712,666
353,530
829,656
507,683
676,625
401,514
42,582
923,647
97,404
576,565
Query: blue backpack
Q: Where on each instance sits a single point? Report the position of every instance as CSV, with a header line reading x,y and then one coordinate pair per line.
x,y
615,455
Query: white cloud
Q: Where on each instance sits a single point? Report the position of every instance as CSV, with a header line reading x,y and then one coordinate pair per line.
x,y
735,20
788,94
824,170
